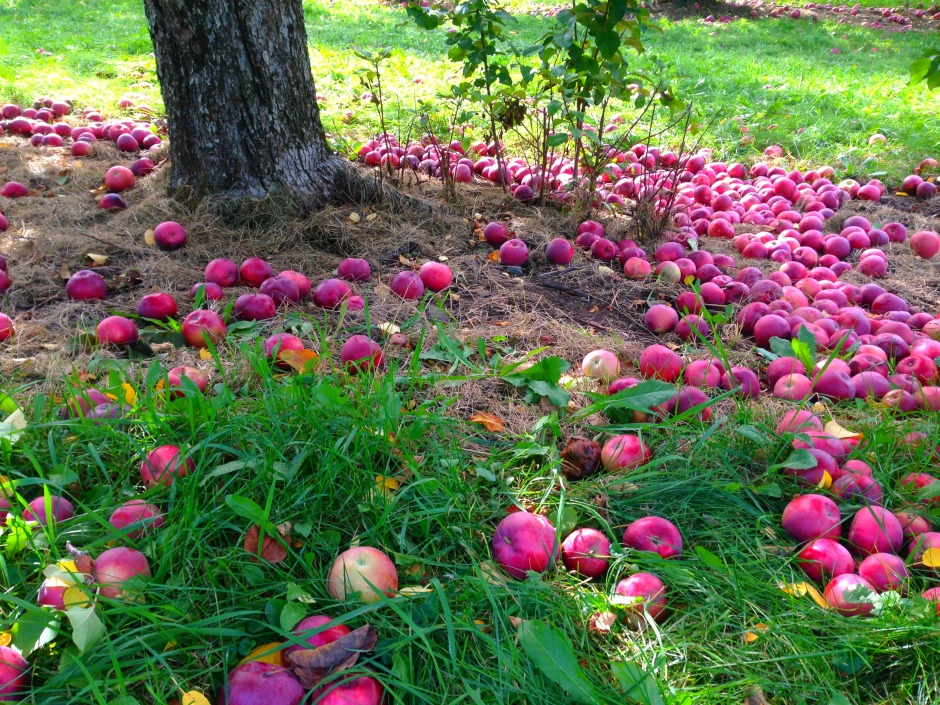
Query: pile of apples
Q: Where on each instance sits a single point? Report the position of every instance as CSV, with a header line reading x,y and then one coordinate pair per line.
x,y
870,557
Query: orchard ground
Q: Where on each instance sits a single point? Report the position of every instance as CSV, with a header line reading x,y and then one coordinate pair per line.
x,y
315,449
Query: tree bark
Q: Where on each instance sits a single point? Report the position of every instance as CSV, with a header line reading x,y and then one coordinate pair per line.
x,y
241,104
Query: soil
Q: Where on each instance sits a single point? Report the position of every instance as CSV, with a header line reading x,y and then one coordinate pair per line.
x,y
567,310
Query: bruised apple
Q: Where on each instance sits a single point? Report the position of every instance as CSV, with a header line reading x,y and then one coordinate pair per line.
x,y
524,541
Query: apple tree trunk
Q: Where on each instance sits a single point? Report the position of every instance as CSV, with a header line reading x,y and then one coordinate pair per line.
x,y
241,104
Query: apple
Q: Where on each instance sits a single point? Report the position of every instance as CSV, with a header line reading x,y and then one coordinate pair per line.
x,y
119,178
278,342
116,566
913,524
159,306
812,516
61,508
586,551
875,530
364,572
824,559
600,364
436,276
163,465
223,272
919,545
624,452
524,542
654,534
261,683
353,269
355,690
559,251
658,361
407,285
201,327
885,571
169,236
330,293
254,271
839,586
137,513
175,376
645,592
14,678
513,253
300,281
281,290
361,354
313,635
117,330
254,307
86,285
496,233
933,595
6,327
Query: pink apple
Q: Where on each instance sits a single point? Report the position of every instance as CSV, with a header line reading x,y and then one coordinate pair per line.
x,y
360,354
836,595
648,593
116,566
600,364
812,516
875,530
137,513
522,542
356,690
61,509
885,571
624,452
586,551
163,465
261,683
436,276
824,559
654,534
313,635
363,572
201,327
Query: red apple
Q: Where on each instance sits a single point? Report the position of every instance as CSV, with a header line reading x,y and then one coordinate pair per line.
x,y
364,572
356,690
202,326
625,452
885,571
353,269
330,293
313,636
61,509
812,516
361,354
14,675
848,582
159,306
559,251
407,285
647,592
875,530
86,285
254,271
824,559
301,282
163,465
524,542
223,272
496,233
513,253
116,566
137,513
6,327
169,236
586,551
281,290
261,683
658,361
117,330
654,534
254,307
176,375
119,178
436,276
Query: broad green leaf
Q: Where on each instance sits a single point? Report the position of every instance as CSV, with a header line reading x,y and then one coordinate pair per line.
x,y
87,629
551,652
12,427
34,629
799,459
291,615
248,509
637,684
710,559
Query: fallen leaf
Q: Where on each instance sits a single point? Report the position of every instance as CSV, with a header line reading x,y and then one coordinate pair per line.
x,y
130,394
75,597
204,354
371,217
387,485
97,260
492,575
266,653
5,638
802,589
825,481
415,590
602,622
755,696
833,428
489,421
64,272
493,256
604,270
299,360
405,261
389,328
751,637
313,665
148,238
272,549
355,217
931,558
194,697
516,622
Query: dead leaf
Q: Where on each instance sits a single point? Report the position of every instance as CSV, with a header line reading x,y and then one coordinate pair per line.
x,y
148,238
415,590
493,256
204,354
492,575
931,558
833,428
405,261
194,697
751,637
489,421
64,272
355,217
97,260
313,665
516,622
802,589
62,178
266,653
299,360
602,622
371,217
272,548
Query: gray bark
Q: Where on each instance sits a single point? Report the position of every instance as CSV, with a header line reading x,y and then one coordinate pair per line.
x,y
241,104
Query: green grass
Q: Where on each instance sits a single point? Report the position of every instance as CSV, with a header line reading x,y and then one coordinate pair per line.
x,y
310,448
776,78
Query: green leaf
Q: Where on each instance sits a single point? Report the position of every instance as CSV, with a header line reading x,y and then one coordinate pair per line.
x,y
551,652
87,629
291,615
558,139
839,699
124,700
799,459
565,522
608,42
18,535
297,593
249,509
711,560
35,628
637,684
782,347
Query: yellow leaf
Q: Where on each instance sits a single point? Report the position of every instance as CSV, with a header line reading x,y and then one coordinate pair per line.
x,y
299,360
414,590
68,566
355,217
75,597
825,482
5,638
689,280
194,697
130,394
389,328
833,428
901,194
148,237
488,421
158,387
795,589
931,558
266,653
750,637
97,260
817,596
204,354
